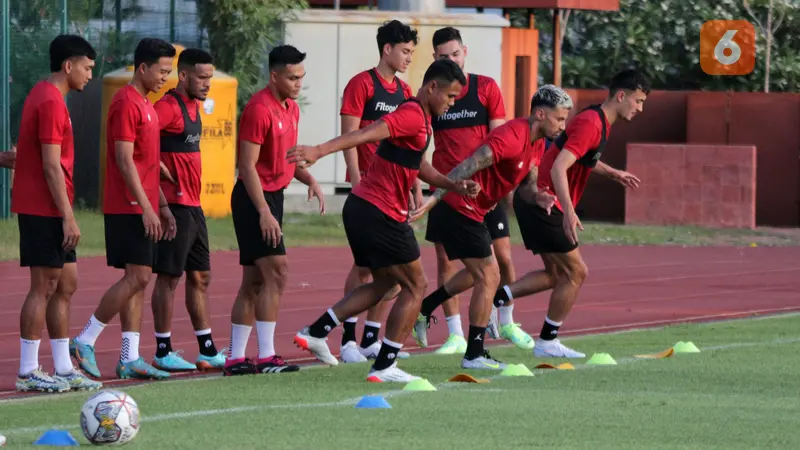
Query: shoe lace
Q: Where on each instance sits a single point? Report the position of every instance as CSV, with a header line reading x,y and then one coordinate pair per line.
x,y
278,361
488,356
431,318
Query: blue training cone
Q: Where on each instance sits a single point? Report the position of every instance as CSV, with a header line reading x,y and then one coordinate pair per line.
x,y
373,401
56,438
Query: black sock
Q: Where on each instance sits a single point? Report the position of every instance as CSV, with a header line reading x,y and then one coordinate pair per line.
x,y
475,342
370,335
324,325
549,331
386,356
349,333
206,344
163,346
501,297
433,301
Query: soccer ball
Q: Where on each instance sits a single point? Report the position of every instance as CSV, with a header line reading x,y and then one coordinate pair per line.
x,y
110,418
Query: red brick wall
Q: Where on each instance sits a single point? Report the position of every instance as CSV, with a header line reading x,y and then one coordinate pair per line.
x,y
683,184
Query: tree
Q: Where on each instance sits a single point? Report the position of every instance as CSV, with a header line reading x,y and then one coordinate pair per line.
x,y
768,30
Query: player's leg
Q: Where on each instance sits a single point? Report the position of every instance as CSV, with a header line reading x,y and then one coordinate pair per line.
x,y
242,321
58,328
127,248
370,346
486,276
571,273
198,278
169,267
40,247
349,351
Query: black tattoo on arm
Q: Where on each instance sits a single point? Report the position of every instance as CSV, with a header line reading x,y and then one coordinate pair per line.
x,y
481,159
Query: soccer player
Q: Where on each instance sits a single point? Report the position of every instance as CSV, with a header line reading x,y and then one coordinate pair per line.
x,y
267,130
135,210
510,154
564,171
42,198
367,97
478,109
375,217
181,129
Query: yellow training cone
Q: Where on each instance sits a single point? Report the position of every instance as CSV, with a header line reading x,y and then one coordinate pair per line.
x,y
665,354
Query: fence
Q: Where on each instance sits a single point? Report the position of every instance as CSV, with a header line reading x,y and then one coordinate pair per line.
x,y
112,26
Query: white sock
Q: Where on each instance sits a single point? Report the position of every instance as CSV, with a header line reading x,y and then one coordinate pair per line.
x,y
454,325
352,320
91,331
61,358
129,351
240,334
266,339
504,314
28,356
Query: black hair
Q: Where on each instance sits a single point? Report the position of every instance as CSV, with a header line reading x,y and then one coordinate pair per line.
x,y
445,35
284,55
193,56
150,50
629,80
394,32
67,46
444,72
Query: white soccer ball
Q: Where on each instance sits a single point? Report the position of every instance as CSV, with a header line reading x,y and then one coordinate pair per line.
x,y
110,418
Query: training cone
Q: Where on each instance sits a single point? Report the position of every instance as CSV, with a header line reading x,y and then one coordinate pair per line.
x,y
464,378
665,354
516,370
601,359
685,347
562,366
419,385
56,438
372,402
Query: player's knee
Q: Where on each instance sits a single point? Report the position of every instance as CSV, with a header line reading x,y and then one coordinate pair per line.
x,y
277,274
576,272
418,285
486,275
45,283
363,274
198,280
138,279
66,288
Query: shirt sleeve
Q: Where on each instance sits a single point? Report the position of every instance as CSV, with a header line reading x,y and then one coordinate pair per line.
x,y
169,119
124,121
406,121
583,134
52,122
407,90
355,96
506,141
254,124
491,96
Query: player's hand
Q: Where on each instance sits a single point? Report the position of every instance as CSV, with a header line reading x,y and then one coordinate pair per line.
x,y
303,155
468,188
571,224
315,191
72,234
166,175
152,225
627,179
168,226
545,200
270,228
419,199
423,209
9,159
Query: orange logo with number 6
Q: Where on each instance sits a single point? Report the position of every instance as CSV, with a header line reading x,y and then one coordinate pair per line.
x,y
727,47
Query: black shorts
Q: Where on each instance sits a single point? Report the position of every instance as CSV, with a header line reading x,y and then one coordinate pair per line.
x,y
40,242
496,221
246,224
461,237
376,239
540,232
188,251
126,242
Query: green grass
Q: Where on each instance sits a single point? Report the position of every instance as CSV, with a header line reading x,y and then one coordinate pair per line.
x,y
315,230
739,392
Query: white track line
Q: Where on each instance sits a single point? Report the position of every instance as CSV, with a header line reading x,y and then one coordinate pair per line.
x,y
352,401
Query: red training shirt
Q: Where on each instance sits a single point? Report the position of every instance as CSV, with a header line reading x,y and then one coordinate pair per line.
x,y
359,90
583,134
131,118
513,156
45,120
385,184
273,126
185,167
452,146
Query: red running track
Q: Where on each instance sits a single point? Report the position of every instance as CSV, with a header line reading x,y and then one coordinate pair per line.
x,y
628,287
